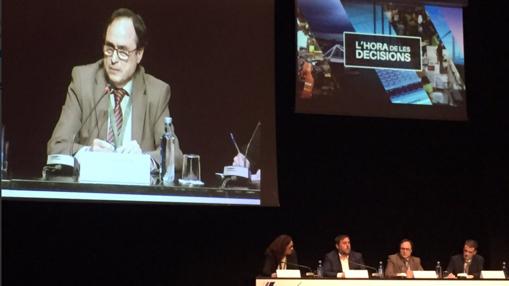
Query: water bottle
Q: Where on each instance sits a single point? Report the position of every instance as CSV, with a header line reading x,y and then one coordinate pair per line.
x,y
319,269
380,269
167,171
438,270
504,269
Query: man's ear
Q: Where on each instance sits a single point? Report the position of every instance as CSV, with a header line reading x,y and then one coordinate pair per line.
x,y
139,55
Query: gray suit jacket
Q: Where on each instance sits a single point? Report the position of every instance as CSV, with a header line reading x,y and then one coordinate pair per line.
x,y
396,264
150,99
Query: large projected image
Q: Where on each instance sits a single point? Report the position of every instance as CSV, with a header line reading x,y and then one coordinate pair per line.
x,y
142,106
380,59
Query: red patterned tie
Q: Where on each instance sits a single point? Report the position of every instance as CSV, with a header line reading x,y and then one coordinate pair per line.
x,y
118,94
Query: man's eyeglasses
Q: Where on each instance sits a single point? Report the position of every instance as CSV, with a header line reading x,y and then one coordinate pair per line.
x,y
121,53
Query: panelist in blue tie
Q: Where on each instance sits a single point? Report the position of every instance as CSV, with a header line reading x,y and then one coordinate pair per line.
x,y
342,258
279,255
113,105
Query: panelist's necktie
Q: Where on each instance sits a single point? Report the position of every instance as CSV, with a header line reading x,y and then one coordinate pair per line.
x,y
466,266
118,95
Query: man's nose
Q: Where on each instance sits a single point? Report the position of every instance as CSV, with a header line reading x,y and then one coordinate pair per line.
x,y
114,57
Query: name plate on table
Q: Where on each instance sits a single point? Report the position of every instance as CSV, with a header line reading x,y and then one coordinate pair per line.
x,y
236,171
492,274
288,273
425,274
357,274
114,168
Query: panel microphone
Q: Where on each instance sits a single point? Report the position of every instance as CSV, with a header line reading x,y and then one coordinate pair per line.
x,y
299,266
252,136
240,173
107,90
55,164
362,265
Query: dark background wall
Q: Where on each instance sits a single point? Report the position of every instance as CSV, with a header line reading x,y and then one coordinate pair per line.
x,y
379,180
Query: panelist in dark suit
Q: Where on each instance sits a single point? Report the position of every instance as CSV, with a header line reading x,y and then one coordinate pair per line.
x,y
279,255
403,262
342,258
131,104
470,262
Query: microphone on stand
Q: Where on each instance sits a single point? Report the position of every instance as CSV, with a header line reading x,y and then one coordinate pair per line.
x,y
240,173
362,265
251,139
107,90
299,266
55,164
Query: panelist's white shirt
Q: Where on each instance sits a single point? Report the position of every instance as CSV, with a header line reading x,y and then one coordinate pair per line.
x,y
123,104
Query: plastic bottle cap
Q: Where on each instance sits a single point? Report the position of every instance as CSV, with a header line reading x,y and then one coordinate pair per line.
x,y
167,120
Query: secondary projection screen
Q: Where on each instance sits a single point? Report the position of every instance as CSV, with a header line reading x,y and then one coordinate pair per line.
x,y
217,57
398,59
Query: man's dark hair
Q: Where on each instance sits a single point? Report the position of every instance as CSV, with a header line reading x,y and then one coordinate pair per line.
x,y
407,240
471,243
139,25
340,238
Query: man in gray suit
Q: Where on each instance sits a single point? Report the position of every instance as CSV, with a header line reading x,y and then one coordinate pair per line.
x,y
403,263
113,105
342,259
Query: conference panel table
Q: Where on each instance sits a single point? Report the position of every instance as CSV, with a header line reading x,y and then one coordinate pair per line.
x,y
21,189
376,282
